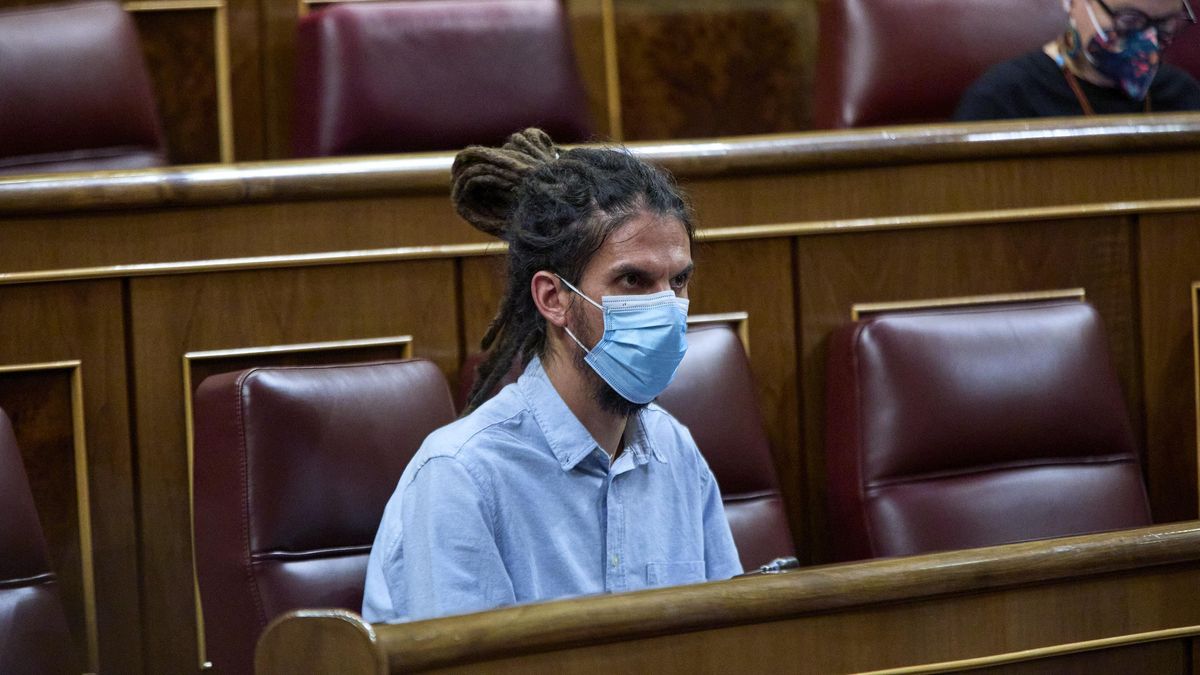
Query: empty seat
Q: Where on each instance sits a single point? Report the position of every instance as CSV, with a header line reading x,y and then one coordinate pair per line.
x,y
34,638
972,426
293,468
434,75
882,62
713,395
74,92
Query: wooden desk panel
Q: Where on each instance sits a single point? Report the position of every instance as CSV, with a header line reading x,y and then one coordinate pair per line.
x,y
1133,593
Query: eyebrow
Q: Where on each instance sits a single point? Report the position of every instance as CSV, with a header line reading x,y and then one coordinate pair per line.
x,y
630,268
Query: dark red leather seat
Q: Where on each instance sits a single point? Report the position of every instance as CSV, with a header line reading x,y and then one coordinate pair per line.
x,y
713,395
74,92
438,75
883,62
293,467
1184,52
962,427
34,638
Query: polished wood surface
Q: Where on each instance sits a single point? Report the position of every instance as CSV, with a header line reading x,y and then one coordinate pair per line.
x,y
128,271
50,323
882,614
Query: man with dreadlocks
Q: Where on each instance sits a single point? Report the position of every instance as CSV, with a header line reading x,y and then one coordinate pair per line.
x,y
570,481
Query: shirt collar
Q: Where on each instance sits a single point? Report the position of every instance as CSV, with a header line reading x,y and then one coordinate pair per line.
x,y
568,439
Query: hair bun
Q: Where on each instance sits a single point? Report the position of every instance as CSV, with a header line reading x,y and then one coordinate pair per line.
x,y
485,181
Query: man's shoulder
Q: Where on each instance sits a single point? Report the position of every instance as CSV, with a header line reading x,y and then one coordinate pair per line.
x,y
463,439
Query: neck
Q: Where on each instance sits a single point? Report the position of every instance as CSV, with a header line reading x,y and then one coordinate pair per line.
x,y
606,428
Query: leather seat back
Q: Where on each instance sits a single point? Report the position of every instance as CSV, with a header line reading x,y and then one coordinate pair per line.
x,y
385,77
293,468
74,91
972,426
884,62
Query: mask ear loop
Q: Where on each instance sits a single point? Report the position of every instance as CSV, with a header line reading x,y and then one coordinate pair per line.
x,y
1100,32
585,297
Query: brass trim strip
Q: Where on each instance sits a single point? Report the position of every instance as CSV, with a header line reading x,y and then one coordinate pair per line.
x,y
812,228
170,5
612,75
83,502
741,319
1042,652
405,342
224,83
857,310
1196,365
255,263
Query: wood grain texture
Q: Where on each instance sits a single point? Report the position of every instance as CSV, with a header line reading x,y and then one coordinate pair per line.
x,y
80,321
39,405
249,64
1169,262
181,56
885,613
838,271
713,68
174,315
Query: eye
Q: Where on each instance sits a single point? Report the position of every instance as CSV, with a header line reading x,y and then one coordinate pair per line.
x,y
631,279
679,281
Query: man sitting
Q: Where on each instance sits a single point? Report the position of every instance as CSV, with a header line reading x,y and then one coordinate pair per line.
x,y
1106,62
570,481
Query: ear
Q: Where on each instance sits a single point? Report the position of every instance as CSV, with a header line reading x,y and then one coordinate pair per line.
x,y
551,298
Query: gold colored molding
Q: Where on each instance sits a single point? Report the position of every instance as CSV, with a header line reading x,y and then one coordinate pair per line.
x,y
263,262
1042,652
224,82
82,496
858,310
741,321
612,74
404,342
443,251
1196,363
170,5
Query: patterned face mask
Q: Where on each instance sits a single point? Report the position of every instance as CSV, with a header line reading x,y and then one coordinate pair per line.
x,y
1129,58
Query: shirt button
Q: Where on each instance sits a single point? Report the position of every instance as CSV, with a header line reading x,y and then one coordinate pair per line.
x,y
615,560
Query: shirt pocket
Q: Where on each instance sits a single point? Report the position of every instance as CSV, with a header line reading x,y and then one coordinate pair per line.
x,y
675,573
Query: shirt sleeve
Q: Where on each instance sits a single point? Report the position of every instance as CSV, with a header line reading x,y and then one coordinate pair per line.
x,y
447,560
720,554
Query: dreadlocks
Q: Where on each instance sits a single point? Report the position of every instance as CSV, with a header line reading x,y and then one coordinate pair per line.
x,y
554,208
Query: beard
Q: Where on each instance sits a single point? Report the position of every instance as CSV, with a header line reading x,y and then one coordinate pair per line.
x,y
600,392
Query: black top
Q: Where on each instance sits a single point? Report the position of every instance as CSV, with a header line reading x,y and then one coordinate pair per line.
x,y
1033,85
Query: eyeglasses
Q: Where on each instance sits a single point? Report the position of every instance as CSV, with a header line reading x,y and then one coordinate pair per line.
x,y
1132,20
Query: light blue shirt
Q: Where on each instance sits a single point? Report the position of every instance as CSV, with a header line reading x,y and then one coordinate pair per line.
x,y
517,503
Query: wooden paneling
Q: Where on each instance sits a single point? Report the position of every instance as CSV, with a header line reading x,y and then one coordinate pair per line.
x,y
180,50
839,270
693,69
734,277
174,315
1168,262
1133,591
64,322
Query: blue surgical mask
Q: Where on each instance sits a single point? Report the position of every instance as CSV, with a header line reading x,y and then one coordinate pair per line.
x,y
644,342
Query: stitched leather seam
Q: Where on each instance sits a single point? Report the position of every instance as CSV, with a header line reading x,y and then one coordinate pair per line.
x,y
36,580
255,594
751,496
314,554
1007,466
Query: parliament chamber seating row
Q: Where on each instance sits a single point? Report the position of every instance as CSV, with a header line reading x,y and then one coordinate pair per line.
x,y
945,434
385,77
